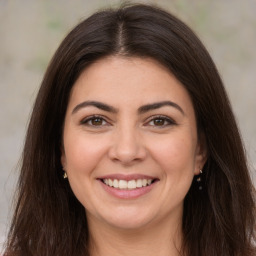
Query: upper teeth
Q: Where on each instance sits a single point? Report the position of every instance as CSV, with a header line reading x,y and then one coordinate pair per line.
x,y
124,184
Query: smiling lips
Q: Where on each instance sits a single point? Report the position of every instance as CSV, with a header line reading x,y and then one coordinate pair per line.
x,y
130,184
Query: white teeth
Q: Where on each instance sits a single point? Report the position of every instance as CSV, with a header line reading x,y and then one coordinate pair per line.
x,y
122,184
115,184
131,184
139,183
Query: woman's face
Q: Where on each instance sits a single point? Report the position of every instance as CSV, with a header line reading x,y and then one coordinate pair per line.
x,y
130,143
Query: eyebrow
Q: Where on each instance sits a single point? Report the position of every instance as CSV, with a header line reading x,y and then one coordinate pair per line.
x,y
143,109
148,107
96,104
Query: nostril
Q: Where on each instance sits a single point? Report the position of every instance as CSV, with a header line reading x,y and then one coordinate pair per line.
x,y
127,150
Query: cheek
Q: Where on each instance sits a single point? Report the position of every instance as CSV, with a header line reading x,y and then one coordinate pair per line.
x,y
176,159
176,156
82,153
82,157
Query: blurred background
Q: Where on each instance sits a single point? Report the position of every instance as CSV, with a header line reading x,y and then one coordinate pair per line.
x,y
31,30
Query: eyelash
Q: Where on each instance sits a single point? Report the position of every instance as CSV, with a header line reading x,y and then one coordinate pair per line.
x,y
167,121
86,121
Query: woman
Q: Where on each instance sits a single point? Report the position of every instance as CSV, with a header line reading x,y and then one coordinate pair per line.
x,y
132,147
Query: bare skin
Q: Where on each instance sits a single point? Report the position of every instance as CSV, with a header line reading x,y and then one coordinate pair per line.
x,y
131,150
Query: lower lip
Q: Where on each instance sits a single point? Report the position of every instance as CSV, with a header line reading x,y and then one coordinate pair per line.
x,y
128,193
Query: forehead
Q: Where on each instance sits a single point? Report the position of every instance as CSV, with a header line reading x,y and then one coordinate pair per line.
x,y
119,80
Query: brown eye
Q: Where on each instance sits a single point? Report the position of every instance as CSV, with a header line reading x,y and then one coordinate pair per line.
x,y
94,121
159,122
97,121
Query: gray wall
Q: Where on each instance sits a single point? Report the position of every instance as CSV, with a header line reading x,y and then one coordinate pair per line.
x,y
30,32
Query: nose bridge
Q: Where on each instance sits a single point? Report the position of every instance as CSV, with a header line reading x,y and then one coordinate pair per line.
x,y
127,144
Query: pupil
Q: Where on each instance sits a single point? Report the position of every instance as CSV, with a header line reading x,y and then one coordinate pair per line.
x,y
97,121
159,122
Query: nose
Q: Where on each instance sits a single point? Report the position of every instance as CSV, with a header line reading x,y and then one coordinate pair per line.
x,y
127,147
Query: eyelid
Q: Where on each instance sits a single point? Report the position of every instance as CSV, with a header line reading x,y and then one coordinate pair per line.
x,y
165,118
85,120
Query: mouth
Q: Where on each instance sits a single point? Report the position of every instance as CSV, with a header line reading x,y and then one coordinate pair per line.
x,y
128,184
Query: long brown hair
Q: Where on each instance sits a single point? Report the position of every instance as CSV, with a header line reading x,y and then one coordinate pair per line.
x,y
217,220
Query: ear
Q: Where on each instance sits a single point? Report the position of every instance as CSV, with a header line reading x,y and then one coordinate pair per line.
x,y
201,153
63,157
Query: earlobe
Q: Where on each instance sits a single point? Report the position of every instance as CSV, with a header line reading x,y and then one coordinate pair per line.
x,y
201,154
63,163
63,158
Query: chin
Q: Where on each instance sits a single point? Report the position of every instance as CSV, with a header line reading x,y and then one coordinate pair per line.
x,y
127,219
129,224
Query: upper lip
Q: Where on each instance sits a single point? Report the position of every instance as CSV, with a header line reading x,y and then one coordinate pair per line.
x,y
127,177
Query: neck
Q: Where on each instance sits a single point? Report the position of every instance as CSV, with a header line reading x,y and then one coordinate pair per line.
x,y
162,239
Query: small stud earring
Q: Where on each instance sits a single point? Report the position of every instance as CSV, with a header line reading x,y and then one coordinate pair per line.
x,y
199,180
65,176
